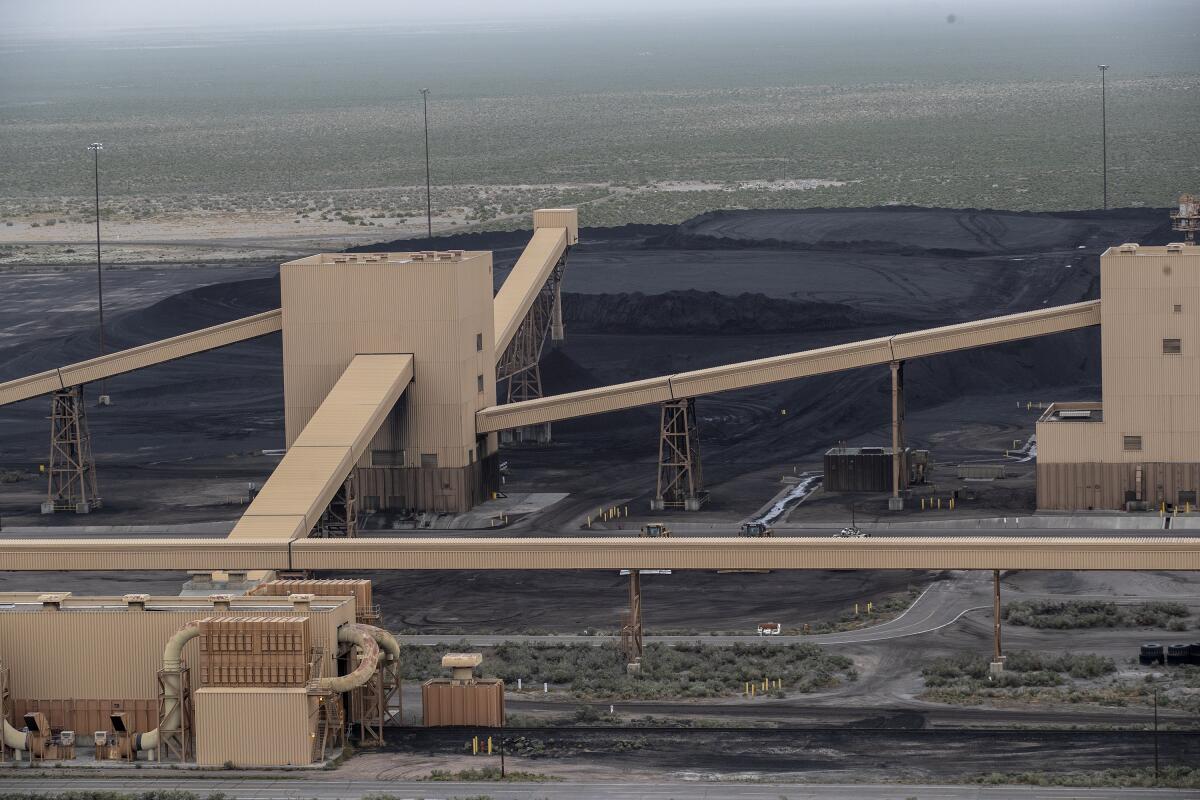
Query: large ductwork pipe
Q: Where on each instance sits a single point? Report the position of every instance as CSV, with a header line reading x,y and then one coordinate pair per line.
x,y
361,636
387,643
15,739
367,637
172,690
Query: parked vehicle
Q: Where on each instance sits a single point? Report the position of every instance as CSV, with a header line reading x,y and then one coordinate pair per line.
x,y
769,628
755,529
655,529
852,532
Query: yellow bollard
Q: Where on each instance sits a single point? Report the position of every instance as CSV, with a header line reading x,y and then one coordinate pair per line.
x,y
475,746
489,745
856,609
922,503
746,689
951,503
752,686
939,504
627,511
589,522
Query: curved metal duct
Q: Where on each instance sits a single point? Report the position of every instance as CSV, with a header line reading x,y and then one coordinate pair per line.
x,y
15,739
172,663
367,637
368,659
385,640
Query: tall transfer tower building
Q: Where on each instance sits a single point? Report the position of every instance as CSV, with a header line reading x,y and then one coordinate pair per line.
x,y
1140,446
435,306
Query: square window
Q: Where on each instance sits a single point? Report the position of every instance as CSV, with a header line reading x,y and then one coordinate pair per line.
x,y
1132,442
479,383
428,459
1172,347
479,341
387,458
1178,308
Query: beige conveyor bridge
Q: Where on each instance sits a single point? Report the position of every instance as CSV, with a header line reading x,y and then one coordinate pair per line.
x,y
340,431
902,552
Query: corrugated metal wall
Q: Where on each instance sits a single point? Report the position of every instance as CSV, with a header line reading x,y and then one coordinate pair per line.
x,y
336,307
87,716
253,727
858,472
1097,485
431,489
479,704
113,654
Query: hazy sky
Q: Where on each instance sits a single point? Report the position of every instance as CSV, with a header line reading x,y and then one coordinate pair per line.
x,y
76,15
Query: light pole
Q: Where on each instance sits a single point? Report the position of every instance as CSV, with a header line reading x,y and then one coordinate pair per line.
x,y
96,147
1104,128
428,194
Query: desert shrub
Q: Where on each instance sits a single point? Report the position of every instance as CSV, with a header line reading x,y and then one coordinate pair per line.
x,y
1068,614
687,670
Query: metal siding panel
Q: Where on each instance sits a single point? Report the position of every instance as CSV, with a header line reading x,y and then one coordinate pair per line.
x,y
558,218
252,727
115,654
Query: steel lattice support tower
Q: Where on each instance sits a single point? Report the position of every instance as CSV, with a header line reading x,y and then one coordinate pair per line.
x,y
680,479
175,714
520,365
72,470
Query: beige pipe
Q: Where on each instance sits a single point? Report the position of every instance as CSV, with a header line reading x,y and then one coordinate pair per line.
x,y
367,637
15,739
368,659
172,663
385,640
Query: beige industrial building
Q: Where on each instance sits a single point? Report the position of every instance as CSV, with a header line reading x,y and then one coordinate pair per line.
x,y
435,307
1140,446
253,681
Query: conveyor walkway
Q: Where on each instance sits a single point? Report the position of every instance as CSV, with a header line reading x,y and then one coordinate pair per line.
x,y
900,552
147,355
299,490
525,281
745,374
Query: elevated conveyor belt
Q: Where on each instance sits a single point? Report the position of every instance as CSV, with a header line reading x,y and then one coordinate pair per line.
x,y
745,374
147,355
299,490
522,285
925,552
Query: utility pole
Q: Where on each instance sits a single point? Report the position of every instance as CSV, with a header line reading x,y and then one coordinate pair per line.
x,y
96,147
428,185
1156,736
1104,129
997,652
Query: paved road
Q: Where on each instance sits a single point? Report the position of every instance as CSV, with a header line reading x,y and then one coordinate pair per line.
x,y
320,788
942,604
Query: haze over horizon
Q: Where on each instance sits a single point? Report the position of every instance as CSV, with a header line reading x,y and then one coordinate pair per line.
x,y
20,17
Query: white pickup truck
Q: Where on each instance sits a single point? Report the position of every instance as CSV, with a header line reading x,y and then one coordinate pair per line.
x,y
769,628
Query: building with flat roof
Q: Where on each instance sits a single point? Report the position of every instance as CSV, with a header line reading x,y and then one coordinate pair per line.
x,y
1140,446
435,306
